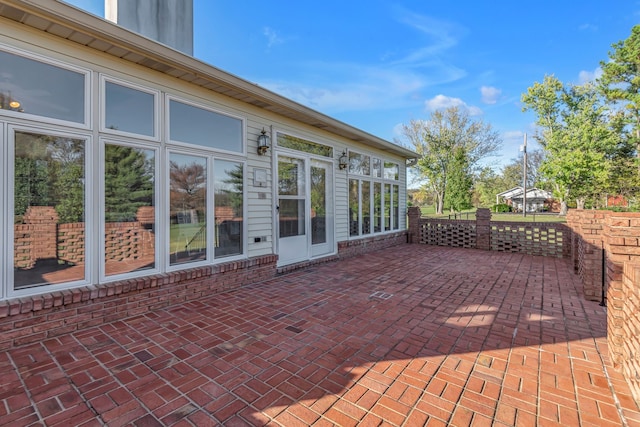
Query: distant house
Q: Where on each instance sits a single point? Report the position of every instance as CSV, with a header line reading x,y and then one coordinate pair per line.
x,y
536,200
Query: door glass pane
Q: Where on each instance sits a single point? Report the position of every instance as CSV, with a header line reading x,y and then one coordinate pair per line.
x,y
228,215
366,207
354,223
33,87
129,110
129,209
198,126
292,217
318,205
387,207
188,208
49,209
377,207
290,177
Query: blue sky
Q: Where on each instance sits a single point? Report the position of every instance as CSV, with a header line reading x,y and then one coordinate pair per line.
x,y
377,64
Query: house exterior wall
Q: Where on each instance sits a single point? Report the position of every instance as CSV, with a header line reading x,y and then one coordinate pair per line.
x,y
259,202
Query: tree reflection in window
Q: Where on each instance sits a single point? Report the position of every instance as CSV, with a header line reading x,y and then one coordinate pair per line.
x,y
49,209
129,209
188,201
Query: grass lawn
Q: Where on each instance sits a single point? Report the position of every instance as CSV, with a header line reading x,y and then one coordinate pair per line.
x,y
429,211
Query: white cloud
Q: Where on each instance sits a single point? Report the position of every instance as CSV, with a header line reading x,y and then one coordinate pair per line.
x,y
589,76
588,27
272,36
440,102
490,94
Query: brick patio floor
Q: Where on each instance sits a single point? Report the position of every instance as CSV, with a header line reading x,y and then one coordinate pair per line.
x,y
413,335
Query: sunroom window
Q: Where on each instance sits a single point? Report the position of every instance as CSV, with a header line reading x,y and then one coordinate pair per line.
x,y
199,126
48,209
33,87
129,209
129,110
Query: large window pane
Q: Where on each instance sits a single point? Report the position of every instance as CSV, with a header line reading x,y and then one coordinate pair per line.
x,y
396,205
129,211
129,110
387,207
198,126
354,207
365,192
49,209
228,207
33,87
318,205
377,207
188,203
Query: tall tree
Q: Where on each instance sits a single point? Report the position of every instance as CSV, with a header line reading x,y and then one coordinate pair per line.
x,y
458,196
576,135
620,82
436,140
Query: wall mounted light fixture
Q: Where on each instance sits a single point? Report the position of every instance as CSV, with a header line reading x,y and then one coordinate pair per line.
x,y
263,142
343,161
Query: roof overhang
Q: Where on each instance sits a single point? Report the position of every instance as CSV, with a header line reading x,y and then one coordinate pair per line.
x,y
70,23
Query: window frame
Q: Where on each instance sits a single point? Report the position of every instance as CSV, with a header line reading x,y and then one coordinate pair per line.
x,y
104,79
87,123
89,189
103,141
211,156
372,179
167,119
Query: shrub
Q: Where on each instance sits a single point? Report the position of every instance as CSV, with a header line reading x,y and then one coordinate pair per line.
x,y
501,208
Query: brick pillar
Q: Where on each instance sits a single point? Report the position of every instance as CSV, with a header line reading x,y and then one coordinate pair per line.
x,y
483,229
588,224
621,237
414,215
630,363
573,222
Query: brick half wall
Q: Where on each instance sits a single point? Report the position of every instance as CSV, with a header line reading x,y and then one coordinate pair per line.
x,y
36,318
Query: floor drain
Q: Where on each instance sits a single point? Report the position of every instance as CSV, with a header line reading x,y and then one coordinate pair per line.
x,y
380,295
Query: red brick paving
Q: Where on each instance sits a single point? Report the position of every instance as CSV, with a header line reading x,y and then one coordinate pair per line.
x,y
408,336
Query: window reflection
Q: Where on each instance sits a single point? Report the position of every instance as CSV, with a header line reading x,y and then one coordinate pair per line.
x,y
198,126
129,209
129,110
228,208
188,202
49,209
34,87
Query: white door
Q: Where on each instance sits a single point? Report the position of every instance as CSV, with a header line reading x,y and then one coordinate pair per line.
x,y
305,209
292,208
321,202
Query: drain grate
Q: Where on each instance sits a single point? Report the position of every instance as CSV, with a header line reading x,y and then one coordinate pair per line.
x,y
380,295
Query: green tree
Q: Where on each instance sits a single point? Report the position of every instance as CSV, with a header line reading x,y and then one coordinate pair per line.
x,y
620,82
436,140
458,195
577,136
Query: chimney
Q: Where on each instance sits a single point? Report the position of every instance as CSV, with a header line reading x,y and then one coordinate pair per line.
x,y
169,22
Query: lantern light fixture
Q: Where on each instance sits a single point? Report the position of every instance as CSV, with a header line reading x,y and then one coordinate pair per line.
x,y
263,142
343,161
